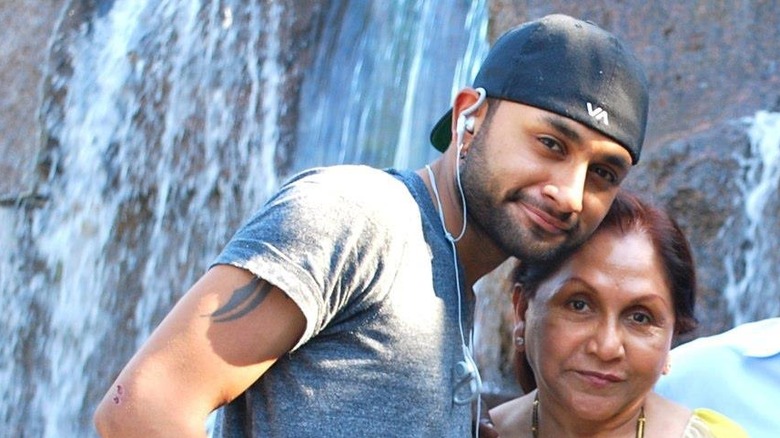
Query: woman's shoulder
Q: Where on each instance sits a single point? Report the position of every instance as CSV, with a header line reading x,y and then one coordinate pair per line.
x,y
708,423
697,423
665,417
513,416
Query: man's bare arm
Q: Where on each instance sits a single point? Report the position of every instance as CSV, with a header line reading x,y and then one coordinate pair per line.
x,y
218,339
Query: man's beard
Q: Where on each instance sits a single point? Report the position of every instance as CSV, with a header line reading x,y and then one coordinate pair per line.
x,y
492,216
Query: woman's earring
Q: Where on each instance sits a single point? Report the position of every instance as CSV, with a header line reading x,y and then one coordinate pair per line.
x,y
519,341
667,368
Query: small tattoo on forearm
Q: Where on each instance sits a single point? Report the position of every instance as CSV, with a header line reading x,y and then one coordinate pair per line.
x,y
118,396
244,300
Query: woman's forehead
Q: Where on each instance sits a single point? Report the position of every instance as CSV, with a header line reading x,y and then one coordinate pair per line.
x,y
613,259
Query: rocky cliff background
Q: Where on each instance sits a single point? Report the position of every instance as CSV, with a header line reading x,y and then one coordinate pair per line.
x,y
710,64
24,46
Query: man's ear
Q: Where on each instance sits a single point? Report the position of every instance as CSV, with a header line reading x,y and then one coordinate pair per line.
x,y
466,124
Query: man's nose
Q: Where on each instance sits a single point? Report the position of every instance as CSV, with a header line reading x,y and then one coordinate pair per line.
x,y
567,188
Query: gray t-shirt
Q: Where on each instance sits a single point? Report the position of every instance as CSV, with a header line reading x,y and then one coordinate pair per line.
x,y
362,252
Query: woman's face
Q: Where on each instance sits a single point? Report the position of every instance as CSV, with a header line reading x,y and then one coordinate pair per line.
x,y
598,331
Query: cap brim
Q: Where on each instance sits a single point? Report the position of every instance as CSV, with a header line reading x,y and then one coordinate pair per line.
x,y
441,134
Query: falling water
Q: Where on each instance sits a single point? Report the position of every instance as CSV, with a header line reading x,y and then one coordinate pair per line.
x,y
754,279
166,124
374,46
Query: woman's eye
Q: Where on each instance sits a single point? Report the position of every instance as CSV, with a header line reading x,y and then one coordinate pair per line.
x,y
578,305
641,318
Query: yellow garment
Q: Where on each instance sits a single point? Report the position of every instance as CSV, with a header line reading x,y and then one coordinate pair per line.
x,y
706,423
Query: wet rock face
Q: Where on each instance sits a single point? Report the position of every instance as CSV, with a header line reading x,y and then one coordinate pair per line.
x,y
707,181
695,179
25,38
707,62
709,67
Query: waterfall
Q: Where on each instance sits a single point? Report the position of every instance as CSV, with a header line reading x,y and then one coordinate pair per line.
x,y
166,124
371,104
753,276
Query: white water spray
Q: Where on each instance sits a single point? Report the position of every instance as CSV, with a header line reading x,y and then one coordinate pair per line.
x,y
165,120
753,279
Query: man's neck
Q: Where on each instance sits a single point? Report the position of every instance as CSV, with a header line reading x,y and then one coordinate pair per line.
x,y
476,251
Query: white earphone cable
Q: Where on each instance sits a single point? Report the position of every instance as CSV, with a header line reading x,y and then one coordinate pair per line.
x,y
454,249
467,348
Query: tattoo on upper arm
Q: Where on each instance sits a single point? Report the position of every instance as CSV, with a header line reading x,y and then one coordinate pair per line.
x,y
244,300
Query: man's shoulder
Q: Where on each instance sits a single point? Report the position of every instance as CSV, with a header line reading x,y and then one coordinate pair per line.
x,y
357,182
351,174
352,192
760,339
753,339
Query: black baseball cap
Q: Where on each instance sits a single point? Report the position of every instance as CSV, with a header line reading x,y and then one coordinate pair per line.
x,y
572,68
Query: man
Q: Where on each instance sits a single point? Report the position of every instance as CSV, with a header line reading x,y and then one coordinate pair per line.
x,y
736,373
344,306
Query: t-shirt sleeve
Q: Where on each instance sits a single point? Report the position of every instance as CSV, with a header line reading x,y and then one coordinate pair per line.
x,y
323,239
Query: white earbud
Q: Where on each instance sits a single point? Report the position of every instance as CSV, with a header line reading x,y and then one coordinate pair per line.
x,y
460,129
470,124
465,120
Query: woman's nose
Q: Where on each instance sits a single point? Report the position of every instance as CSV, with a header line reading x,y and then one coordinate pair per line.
x,y
607,342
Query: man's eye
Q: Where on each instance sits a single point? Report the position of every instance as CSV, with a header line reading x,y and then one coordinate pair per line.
x,y
606,174
551,143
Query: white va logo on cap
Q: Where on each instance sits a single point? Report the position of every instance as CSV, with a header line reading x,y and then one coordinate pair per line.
x,y
598,114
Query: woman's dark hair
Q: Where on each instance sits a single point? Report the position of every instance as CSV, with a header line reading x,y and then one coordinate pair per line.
x,y
629,213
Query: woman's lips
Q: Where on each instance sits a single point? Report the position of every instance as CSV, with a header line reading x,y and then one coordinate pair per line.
x,y
600,379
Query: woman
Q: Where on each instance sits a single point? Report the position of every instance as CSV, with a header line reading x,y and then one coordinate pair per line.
x,y
593,335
